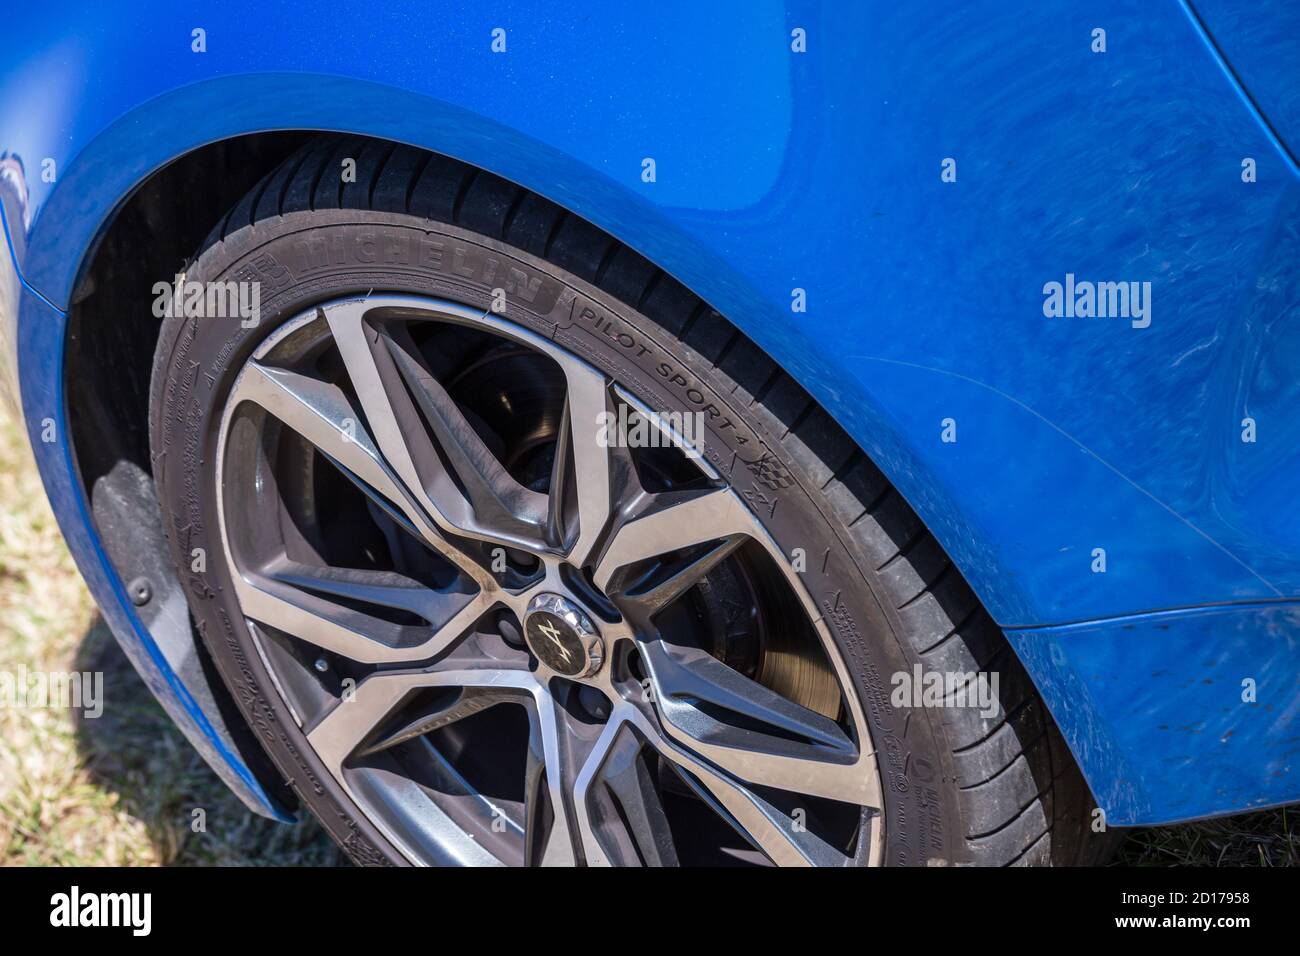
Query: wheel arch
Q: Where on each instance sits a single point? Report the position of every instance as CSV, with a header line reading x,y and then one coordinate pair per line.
x,y
200,123
112,244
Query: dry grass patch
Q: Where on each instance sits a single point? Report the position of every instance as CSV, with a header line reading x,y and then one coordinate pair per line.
x,y
118,790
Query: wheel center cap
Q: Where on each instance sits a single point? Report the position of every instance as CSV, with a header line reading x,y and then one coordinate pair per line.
x,y
562,636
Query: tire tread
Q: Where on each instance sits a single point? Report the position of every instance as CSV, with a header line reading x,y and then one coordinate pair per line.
x,y
1023,800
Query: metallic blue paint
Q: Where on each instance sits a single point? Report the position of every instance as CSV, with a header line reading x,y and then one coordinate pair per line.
x,y
1180,714
822,171
1258,42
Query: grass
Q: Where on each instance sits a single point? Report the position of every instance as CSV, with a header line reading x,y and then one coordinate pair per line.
x,y
1267,838
119,790
122,789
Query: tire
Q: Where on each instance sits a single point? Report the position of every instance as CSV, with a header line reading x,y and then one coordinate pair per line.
x,y
959,787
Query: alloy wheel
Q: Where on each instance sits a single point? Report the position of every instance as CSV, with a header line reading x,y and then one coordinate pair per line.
x,y
511,640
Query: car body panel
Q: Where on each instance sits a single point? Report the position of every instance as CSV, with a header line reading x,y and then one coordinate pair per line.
x,y
820,172
1257,42
1177,715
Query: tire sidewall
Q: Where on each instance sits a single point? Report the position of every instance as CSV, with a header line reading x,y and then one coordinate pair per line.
x,y
304,259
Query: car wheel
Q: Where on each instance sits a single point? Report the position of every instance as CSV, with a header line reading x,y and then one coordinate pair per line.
x,y
511,550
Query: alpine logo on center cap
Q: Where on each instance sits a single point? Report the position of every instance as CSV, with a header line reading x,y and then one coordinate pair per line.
x,y
562,636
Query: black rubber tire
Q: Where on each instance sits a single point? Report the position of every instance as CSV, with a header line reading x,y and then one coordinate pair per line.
x,y
960,788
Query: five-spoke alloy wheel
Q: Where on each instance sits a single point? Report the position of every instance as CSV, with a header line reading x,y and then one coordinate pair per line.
x,y
505,601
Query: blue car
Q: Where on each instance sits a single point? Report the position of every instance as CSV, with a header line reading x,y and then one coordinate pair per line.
x,y
676,434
